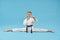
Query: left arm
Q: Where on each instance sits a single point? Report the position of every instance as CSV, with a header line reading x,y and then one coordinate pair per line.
x,y
34,19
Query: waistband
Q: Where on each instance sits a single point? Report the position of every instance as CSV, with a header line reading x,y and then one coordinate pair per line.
x,y
29,25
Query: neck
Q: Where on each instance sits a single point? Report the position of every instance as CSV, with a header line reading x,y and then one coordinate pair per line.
x,y
28,18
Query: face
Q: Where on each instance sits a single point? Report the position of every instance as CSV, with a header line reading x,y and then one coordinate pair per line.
x,y
29,14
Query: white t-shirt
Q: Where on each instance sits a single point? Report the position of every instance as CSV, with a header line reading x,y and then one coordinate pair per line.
x,y
31,21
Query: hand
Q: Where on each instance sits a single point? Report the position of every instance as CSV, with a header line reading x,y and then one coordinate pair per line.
x,y
33,18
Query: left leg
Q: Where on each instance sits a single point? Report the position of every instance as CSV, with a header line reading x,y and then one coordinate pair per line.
x,y
46,30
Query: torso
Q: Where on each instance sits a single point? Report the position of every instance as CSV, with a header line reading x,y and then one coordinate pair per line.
x,y
29,21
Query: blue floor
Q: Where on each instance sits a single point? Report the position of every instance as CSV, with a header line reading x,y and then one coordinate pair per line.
x,y
13,12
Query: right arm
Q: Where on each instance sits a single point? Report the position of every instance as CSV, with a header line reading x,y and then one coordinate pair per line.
x,y
25,22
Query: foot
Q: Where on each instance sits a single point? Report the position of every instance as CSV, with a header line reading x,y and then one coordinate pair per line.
x,y
51,31
8,31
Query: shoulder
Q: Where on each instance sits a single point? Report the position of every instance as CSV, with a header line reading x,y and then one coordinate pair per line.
x,y
25,18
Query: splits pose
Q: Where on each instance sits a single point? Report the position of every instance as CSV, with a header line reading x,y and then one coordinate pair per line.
x,y
29,22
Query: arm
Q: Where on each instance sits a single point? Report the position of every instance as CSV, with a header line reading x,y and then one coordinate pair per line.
x,y
34,19
25,22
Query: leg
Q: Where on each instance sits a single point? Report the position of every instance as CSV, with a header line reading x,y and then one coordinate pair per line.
x,y
46,30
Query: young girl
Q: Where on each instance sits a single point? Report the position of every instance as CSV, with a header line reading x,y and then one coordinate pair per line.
x,y
29,21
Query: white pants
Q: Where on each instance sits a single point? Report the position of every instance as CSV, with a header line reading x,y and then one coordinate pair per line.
x,y
33,29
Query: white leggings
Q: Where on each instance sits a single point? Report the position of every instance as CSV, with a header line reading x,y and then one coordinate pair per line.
x,y
29,29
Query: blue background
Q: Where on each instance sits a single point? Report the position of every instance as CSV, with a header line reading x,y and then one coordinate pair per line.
x,y
13,12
